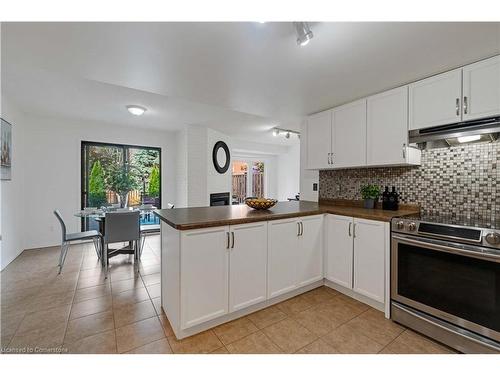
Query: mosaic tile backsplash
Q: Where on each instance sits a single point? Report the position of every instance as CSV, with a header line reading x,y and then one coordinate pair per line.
x,y
456,181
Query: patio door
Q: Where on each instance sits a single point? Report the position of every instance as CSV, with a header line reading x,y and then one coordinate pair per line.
x,y
120,175
248,180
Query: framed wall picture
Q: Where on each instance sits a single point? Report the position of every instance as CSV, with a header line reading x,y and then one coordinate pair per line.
x,y
5,150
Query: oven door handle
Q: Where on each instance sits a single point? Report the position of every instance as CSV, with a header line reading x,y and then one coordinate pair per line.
x,y
465,250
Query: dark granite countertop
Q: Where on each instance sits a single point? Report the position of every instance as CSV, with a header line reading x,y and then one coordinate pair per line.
x,y
205,217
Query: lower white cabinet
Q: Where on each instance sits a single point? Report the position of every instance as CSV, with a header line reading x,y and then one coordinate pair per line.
x,y
247,265
223,269
295,251
356,255
204,275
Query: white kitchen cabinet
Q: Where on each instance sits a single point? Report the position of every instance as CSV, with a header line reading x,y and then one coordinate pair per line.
x,y
435,100
247,265
387,129
282,256
310,250
369,258
349,135
481,89
204,275
319,140
339,250
295,253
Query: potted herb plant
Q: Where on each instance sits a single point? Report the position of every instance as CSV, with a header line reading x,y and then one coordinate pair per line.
x,y
370,194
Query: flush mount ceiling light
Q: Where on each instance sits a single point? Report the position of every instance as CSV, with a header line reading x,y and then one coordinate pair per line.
x,y
136,110
304,33
286,132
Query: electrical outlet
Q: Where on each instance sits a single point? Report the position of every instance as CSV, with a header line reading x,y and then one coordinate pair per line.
x,y
315,186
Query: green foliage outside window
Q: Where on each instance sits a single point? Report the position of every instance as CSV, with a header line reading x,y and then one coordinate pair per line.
x,y
97,186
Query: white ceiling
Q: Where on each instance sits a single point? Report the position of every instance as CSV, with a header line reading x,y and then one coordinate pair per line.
x,y
238,78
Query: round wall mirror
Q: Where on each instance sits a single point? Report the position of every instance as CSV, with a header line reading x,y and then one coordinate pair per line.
x,y
221,157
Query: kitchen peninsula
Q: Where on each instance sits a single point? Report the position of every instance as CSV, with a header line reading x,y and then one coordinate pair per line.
x,y
220,263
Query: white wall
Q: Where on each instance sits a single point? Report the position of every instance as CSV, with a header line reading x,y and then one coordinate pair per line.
x,y
289,173
307,177
13,193
52,173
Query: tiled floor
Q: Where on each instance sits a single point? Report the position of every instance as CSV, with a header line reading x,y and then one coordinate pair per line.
x,y
80,311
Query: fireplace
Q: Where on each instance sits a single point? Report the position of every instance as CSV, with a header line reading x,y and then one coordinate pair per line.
x,y
219,199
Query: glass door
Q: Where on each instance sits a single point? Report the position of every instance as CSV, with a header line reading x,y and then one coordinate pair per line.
x,y
240,182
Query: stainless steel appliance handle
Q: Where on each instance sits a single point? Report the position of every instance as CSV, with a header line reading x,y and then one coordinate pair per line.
x,y
469,251
457,106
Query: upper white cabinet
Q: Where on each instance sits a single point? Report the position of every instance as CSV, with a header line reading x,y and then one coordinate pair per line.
x,y
436,100
319,140
295,251
204,275
481,89
349,135
387,129
247,265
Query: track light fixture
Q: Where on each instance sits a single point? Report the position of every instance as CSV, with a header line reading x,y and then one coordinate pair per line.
x,y
286,132
304,33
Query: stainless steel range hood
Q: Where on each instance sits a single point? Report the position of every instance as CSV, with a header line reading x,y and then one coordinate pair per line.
x,y
486,130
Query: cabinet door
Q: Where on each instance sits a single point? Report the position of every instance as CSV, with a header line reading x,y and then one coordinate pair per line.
x,y
481,89
204,275
369,258
319,140
247,265
310,250
349,135
339,245
282,256
436,100
387,127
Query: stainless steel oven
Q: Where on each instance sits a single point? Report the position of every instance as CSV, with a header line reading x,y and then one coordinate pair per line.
x,y
445,282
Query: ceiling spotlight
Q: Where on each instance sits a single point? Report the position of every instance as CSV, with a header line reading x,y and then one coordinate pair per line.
x,y
287,135
136,110
304,33
276,132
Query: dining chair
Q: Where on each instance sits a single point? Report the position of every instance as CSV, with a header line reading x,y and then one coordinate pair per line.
x,y
121,227
67,238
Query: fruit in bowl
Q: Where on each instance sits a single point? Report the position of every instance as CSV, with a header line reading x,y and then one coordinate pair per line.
x,y
260,203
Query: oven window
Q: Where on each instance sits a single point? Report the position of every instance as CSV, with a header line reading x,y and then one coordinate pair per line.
x,y
466,287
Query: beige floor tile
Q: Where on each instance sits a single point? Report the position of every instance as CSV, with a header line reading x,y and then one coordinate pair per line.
x,y
88,282
167,328
148,270
132,313
151,279
9,325
157,305
93,272
92,292
43,340
294,305
320,295
89,325
289,335
154,290
267,317
222,350
373,324
318,347
156,347
91,306
124,285
410,342
235,330
317,321
125,274
204,342
256,343
339,311
351,301
100,343
138,334
44,302
130,297
347,341
44,319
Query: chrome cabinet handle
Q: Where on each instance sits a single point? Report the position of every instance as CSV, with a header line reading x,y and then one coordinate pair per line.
x,y
457,106
404,150
465,105
232,236
228,241
298,228
350,224
301,228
